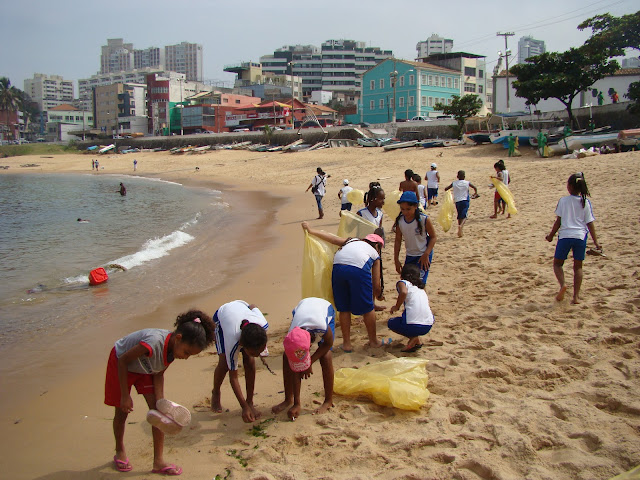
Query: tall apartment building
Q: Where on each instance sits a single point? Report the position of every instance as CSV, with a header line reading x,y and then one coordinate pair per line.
x,y
529,47
185,58
337,66
116,56
152,57
120,108
251,80
434,45
49,91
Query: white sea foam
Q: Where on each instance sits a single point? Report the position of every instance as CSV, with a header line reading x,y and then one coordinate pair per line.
x,y
154,249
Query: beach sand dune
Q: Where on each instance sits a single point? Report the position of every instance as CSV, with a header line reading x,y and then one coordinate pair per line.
x,y
522,386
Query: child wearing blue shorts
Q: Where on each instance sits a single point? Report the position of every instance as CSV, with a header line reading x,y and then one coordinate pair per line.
x,y
461,197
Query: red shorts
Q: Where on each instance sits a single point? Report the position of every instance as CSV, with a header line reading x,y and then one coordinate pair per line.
x,y
497,196
142,381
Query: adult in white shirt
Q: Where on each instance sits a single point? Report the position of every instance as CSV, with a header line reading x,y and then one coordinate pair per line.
x,y
317,186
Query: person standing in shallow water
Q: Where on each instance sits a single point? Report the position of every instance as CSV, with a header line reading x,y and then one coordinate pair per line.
x,y
123,190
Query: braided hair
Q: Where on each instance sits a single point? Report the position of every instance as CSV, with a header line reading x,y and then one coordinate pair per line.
x,y
578,184
372,194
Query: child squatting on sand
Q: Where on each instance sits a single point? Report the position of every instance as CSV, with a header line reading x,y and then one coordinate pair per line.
x,y
239,327
140,359
574,220
313,319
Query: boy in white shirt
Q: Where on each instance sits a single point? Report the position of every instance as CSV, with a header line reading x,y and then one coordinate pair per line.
x,y
461,197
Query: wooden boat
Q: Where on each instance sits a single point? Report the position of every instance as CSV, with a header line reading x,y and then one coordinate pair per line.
x,y
368,142
575,142
398,145
432,143
106,149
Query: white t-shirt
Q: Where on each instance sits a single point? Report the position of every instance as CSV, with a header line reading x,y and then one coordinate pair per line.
x,y
414,243
313,315
230,316
505,176
432,179
356,253
366,214
345,190
416,305
574,217
460,190
421,193
321,181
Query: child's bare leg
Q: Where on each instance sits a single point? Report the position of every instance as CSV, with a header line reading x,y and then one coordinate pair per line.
x,y
369,320
288,386
119,423
495,208
460,225
558,270
158,439
577,280
345,326
218,378
326,362
413,341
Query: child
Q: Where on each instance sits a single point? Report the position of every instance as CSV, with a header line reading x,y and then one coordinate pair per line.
x,y
313,318
461,197
421,197
417,318
373,200
318,185
140,359
409,184
574,219
418,233
502,174
342,195
433,177
239,327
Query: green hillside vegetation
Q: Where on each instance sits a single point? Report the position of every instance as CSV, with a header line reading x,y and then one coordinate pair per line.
x,y
37,149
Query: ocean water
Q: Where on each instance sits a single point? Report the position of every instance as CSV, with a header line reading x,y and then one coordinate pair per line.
x,y
161,232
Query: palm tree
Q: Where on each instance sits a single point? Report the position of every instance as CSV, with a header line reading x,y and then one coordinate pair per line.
x,y
10,100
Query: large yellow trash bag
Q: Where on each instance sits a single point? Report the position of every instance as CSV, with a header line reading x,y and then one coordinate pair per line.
x,y
633,474
354,226
447,211
317,265
391,207
356,196
506,195
400,383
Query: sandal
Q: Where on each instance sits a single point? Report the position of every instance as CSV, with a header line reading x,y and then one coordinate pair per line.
x,y
170,470
122,465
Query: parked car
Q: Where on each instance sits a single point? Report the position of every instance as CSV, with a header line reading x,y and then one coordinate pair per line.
x,y
420,118
40,140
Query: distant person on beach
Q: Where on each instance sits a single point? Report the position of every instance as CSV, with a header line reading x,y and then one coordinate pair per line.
x,y
313,320
135,164
93,164
97,165
342,195
502,174
409,184
140,359
416,319
433,179
317,186
240,327
418,233
461,198
355,281
123,190
574,220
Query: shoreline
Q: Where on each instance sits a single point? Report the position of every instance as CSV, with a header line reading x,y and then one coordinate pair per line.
x,y
521,386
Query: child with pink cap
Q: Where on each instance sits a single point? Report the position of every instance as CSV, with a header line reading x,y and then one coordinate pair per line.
x,y
313,318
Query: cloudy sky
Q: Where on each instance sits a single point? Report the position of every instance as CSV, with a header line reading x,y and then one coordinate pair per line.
x,y
63,37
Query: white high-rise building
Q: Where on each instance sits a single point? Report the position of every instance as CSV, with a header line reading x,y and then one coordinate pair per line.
x,y
434,45
49,91
529,47
185,58
152,57
116,56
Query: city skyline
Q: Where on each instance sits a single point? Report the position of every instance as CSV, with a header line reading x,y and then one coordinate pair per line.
x,y
63,40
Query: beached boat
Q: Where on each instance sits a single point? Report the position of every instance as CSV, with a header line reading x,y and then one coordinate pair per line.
x,y
108,148
432,143
576,142
398,145
368,142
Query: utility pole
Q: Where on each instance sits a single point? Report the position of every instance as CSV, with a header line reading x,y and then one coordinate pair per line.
x,y
507,52
293,96
393,76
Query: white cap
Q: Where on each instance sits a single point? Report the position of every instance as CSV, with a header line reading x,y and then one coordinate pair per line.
x,y
433,165
345,181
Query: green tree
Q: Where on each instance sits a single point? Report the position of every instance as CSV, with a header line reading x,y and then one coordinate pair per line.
x,y
634,95
10,101
561,75
461,108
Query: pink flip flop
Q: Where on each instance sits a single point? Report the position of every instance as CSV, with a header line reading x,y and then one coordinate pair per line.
x,y
122,465
170,470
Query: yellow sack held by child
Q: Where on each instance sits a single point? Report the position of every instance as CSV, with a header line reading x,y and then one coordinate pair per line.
x,y
317,265
356,197
391,207
400,383
354,226
506,195
447,211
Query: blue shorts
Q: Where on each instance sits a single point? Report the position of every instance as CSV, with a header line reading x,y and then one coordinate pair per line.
x,y
416,261
332,325
352,289
319,201
400,326
432,193
579,248
462,207
346,206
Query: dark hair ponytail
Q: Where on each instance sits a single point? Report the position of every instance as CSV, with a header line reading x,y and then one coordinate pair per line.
x,y
372,194
196,328
578,184
411,273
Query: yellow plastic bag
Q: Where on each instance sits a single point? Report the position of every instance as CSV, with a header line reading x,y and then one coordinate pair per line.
x,y
633,474
317,265
356,196
391,207
400,383
352,225
447,211
506,195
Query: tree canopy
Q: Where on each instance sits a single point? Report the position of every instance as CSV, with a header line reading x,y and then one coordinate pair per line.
x,y
613,34
461,108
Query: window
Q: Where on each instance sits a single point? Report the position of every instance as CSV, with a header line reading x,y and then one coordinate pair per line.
x,y
469,87
442,81
411,101
449,82
423,79
381,104
372,85
449,101
412,80
436,81
456,84
423,101
430,79
480,73
381,83
372,104
480,89
431,101
401,82
469,71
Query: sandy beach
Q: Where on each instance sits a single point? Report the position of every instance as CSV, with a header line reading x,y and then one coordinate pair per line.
x,y
522,386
